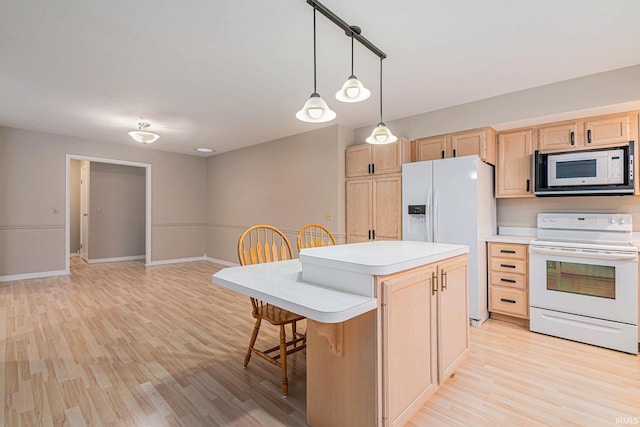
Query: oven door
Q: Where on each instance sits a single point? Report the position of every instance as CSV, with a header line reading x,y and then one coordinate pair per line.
x,y
592,283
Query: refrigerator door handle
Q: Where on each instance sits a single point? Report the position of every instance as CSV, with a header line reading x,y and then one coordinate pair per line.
x,y
435,217
429,220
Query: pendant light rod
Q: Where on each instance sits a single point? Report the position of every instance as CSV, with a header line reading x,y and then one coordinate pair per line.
x,y
381,90
314,50
348,29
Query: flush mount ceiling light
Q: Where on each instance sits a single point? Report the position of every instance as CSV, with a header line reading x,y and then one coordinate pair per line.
x,y
381,134
205,150
315,110
353,90
142,135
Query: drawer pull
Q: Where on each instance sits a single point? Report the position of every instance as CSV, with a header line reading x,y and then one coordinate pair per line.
x,y
507,251
512,301
508,280
507,266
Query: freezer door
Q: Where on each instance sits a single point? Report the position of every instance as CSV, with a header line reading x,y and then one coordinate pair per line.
x,y
417,191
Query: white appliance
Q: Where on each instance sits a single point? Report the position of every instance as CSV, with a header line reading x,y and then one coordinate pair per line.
x,y
452,201
583,279
601,171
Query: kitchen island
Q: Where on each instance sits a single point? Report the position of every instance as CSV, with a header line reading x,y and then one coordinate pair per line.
x,y
387,323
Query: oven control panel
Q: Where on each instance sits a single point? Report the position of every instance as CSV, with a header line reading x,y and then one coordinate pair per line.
x,y
579,221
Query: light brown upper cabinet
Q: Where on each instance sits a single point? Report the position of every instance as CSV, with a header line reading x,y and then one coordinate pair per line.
x,y
374,208
481,142
514,168
371,159
585,133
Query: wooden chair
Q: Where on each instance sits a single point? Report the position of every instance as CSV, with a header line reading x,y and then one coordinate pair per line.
x,y
260,244
313,236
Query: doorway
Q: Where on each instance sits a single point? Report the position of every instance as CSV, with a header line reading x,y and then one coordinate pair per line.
x,y
85,220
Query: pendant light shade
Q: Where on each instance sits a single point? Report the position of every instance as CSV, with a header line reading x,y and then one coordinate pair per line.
x,y
315,110
142,135
353,90
381,133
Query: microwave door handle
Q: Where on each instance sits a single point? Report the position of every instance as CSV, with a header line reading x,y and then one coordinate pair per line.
x,y
586,254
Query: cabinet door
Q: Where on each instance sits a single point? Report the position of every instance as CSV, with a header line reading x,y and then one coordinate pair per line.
x,y
480,142
387,208
608,131
359,205
387,158
433,148
453,319
408,326
513,171
560,137
358,160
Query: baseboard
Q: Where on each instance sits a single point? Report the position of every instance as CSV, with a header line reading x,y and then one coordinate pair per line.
x,y
117,259
74,255
176,260
221,262
39,275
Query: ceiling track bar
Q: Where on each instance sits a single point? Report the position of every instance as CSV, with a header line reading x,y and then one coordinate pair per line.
x,y
351,31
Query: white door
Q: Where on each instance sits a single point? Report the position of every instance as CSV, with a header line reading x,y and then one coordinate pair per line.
x,y
84,211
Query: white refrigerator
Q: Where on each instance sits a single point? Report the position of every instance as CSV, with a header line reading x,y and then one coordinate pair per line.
x,y
452,201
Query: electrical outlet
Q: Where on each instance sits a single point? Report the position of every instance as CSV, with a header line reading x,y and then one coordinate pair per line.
x,y
328,216
56,211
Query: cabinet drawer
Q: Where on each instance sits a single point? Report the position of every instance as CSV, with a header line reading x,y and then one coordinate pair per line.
x,y
508,280
505,265
508,301
508,250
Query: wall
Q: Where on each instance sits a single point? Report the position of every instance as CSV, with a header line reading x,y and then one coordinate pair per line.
x,y
285,183
602,93
74,207
117,211
32,185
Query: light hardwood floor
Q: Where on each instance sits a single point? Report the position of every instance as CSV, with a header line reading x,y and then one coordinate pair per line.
x,y
124,345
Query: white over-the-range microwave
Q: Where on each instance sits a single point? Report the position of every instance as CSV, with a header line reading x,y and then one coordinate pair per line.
x,y
605,171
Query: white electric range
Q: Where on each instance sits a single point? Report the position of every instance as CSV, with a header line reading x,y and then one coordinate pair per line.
x,y
583,279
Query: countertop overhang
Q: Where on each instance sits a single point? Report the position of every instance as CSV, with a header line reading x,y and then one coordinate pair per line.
x,y
280,284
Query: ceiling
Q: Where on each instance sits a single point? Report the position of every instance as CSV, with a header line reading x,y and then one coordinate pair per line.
x,y
229,74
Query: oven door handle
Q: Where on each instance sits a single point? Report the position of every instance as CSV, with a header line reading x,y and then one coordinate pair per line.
x,y
622,256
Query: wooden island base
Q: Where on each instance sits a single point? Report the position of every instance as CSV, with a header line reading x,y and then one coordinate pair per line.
x,y
379,368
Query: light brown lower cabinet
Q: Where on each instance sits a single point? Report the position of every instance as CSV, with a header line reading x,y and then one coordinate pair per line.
x,y
379,368
509,279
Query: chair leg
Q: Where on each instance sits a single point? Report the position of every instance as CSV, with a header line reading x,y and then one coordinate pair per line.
x,y
254,335
294,332
283,361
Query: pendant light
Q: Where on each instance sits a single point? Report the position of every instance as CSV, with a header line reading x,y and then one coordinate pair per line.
x,y
315,110
381,134
142,135
353,90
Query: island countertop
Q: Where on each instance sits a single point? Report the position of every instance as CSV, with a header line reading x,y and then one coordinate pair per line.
x,y
281,284
380,257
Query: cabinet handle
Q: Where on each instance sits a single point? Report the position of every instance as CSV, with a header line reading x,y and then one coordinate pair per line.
x,y
443,154
528,185
508,280
373,234
369,165
443,281
511,301
573,138
589,136
434,283
373,168
507,251
454,152
369,234
507,266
